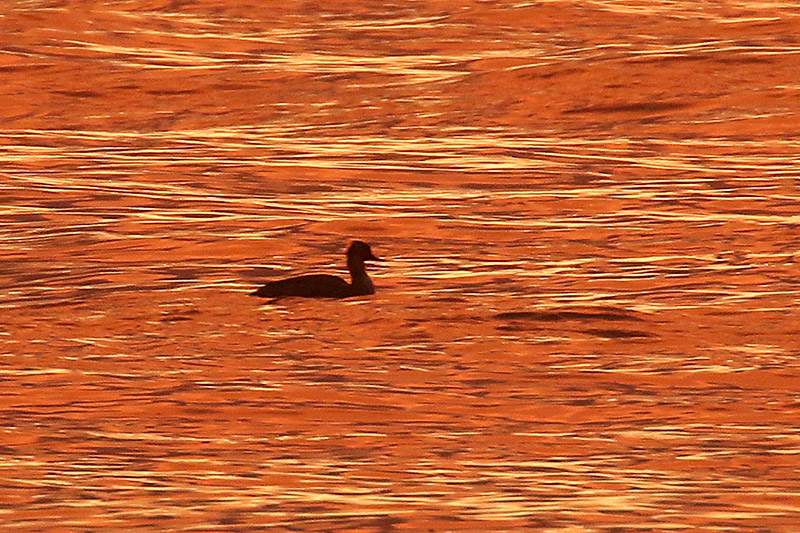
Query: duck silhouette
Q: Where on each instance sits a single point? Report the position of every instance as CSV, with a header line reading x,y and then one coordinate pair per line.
x,y
325,285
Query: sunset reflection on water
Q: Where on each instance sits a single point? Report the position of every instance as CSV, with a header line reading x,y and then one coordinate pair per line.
x,y
587,316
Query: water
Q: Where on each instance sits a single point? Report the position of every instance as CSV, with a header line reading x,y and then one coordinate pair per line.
x,y
586,321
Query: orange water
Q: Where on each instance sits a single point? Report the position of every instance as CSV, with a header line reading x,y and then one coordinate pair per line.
x,y
588,316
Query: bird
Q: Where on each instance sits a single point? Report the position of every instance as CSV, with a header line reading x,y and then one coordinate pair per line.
x,y
325,285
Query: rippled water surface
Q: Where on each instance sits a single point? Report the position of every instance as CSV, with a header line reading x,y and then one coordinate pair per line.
x,y
587,320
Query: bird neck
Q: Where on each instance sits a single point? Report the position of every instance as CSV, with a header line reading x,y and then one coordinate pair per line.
x,y
358,277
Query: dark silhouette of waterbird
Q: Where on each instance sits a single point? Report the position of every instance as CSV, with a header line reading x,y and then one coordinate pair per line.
x,y
325,285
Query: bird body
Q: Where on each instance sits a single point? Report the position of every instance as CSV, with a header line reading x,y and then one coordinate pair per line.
x,y
325,285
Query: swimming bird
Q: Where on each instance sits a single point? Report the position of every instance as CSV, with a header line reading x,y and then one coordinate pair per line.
x,y
325,285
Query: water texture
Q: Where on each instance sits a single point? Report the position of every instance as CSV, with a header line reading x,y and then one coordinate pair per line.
x,y
587,320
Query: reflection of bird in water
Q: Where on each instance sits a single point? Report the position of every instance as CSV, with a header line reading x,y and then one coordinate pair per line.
x,y
325,285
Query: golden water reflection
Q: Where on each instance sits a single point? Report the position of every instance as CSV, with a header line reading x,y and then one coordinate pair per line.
x,y
586,319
